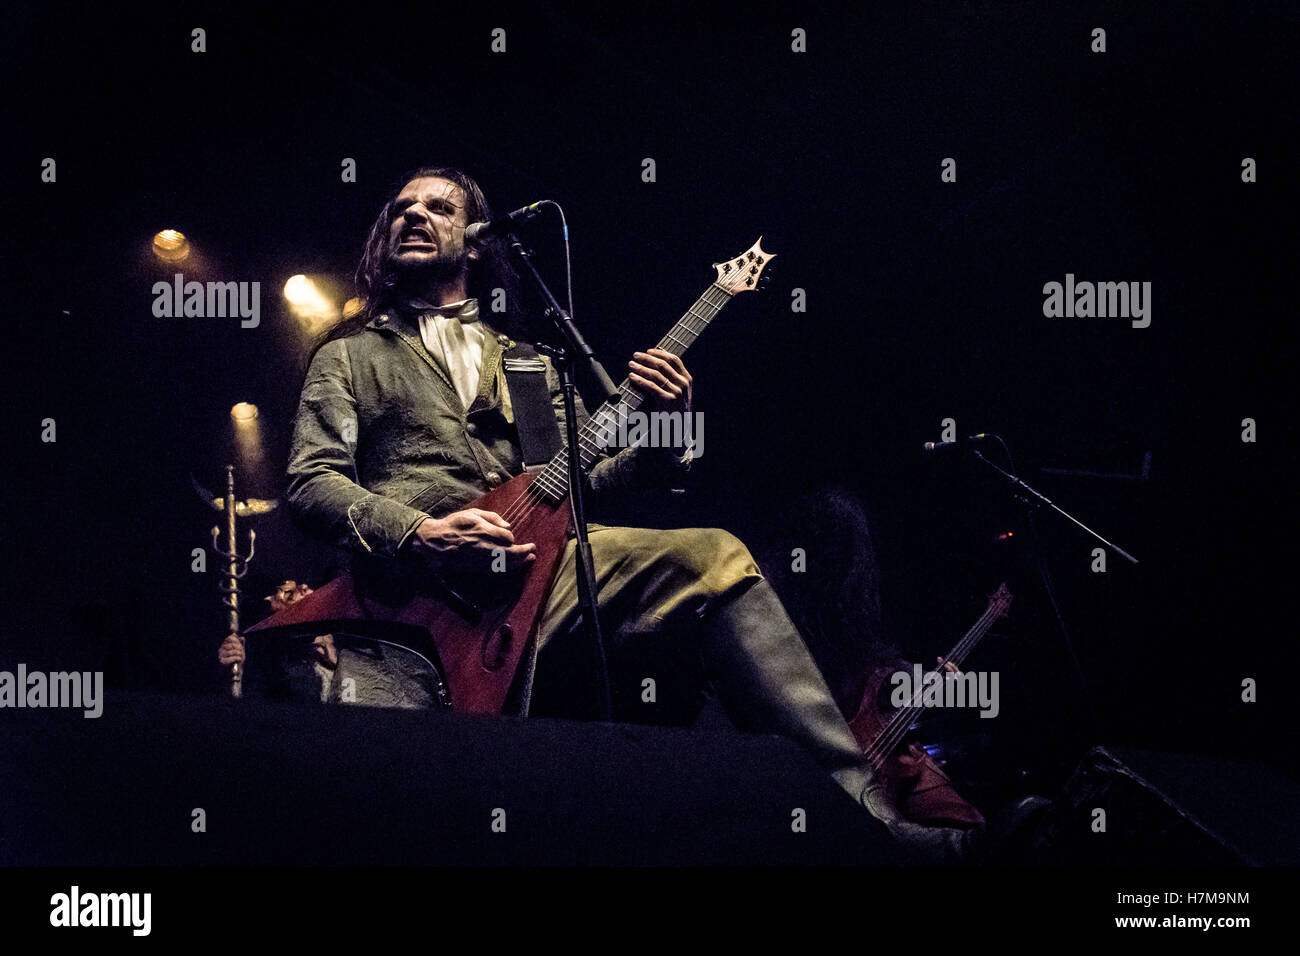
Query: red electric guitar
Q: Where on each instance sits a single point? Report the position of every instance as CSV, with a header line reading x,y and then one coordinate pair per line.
x,y
924,792
482,624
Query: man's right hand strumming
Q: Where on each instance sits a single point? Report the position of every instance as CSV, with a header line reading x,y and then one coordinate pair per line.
x,y
466,541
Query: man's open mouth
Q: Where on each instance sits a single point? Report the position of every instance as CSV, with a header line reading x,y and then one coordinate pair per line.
x,y
417,236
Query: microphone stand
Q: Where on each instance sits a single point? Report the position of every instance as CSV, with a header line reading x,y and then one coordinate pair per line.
x,y
1033,499
577,351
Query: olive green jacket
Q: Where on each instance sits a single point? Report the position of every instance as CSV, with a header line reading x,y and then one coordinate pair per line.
x,y
382,441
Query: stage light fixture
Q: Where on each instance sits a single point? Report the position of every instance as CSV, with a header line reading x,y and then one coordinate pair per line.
x,y
309,304
169,245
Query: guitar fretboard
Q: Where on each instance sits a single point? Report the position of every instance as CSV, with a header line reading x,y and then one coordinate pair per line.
x,y
892,734
552,483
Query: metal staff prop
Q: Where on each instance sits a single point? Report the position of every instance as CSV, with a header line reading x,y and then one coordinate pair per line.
x,y
238,564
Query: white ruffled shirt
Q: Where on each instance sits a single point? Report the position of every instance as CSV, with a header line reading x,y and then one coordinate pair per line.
x,y
454,336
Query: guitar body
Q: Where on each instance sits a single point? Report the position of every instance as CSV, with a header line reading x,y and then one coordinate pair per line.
x,y
868,725
921,790
482,629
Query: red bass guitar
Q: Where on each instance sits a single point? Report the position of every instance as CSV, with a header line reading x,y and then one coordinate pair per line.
x,y
920,788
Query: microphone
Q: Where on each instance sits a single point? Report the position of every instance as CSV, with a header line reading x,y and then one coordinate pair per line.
x,y
480,231
933,449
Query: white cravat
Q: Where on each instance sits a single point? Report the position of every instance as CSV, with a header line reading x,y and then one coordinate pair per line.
x,y
454,336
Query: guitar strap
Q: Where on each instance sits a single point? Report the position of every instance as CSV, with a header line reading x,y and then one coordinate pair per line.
x,y
530,396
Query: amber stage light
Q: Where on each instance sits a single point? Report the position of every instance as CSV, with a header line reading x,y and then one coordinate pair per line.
x,y
310,302
169,245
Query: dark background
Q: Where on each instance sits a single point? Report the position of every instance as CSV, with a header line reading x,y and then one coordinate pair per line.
x,y
924,302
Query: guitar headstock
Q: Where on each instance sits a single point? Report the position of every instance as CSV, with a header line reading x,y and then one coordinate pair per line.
x,y
741,274
1000,601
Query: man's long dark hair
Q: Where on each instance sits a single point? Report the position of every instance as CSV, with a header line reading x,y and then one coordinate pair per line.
x,y
376,279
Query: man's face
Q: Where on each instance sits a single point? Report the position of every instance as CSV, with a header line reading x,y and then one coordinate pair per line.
x,y
427,233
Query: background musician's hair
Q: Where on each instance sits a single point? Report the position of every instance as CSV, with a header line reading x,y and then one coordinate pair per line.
x,y
835,603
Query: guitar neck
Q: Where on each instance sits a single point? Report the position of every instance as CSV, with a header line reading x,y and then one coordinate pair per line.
x,y
892,734
553,481
970,640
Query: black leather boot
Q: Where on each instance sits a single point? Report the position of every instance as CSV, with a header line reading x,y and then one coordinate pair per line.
x,y
769,683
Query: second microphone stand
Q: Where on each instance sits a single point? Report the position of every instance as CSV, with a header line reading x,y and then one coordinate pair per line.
x,y
1032,500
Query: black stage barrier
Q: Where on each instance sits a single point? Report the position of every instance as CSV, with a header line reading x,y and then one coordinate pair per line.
x,y
277,783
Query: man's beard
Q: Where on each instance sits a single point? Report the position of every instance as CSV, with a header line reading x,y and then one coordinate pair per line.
x,y
441,267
